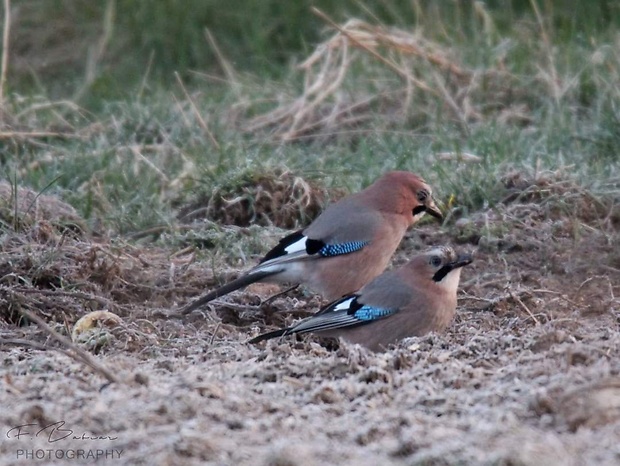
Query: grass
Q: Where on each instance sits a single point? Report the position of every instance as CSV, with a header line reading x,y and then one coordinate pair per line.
x,y
511,116
129,164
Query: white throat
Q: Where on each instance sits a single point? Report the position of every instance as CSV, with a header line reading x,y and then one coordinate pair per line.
x,y
451,281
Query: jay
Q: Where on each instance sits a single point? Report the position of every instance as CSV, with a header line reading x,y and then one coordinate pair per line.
x,y
415,299
346,246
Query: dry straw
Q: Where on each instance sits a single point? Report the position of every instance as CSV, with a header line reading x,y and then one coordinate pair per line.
x,y
428,72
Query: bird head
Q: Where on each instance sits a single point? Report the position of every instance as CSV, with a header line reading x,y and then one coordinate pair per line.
x,y
442,265
412,196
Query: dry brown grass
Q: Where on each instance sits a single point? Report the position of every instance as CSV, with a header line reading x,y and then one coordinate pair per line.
x,y
24,208
347,83
279,198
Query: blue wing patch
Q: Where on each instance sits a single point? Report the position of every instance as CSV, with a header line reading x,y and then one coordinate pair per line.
x,y
346,312
368,313
297,242
330,250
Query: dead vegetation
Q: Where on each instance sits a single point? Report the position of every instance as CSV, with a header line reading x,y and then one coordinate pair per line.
x,y
23,208
279,198
550,227
347,84
526,374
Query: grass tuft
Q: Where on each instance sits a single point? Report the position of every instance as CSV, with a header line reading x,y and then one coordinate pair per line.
x,y
509,86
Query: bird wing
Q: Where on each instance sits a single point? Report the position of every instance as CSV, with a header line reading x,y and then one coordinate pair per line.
x,y
348,220
346,312
298,246
344,227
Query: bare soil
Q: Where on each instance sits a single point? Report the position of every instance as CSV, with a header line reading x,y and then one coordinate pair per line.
x,y
528,374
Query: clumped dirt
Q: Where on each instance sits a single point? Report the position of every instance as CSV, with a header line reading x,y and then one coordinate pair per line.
x,y
528,374
279,198
24,208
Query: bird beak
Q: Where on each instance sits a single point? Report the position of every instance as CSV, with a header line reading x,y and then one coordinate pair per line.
x,y
462,260
432,209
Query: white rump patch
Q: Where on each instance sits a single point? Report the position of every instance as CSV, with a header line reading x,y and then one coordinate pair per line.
x,y
297,246
344,305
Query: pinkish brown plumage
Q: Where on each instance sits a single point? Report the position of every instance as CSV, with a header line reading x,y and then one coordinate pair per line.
x,y
348,245
415,299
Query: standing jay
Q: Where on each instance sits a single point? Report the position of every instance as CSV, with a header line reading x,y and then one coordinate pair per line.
x,y
346,246
415,299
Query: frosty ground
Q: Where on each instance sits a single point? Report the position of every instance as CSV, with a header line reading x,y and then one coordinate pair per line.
x,y
528,374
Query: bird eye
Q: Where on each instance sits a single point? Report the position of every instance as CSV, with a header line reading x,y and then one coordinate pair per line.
x,y
422,195
435,261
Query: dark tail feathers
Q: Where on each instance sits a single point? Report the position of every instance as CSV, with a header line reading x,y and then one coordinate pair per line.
x,y
270,335
240,282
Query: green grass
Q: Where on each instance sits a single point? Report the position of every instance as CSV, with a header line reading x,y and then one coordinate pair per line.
x,y
134,154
